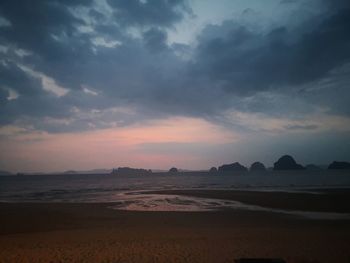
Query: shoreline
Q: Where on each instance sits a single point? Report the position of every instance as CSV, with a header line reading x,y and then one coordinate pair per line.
x,y
328,200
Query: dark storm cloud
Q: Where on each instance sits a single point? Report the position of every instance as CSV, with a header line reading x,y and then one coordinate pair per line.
x,y
47,29
3,96
301,127
247,62
155,39
34,22
122,75
32,101
337,4
96,15
26,109
231,65
13,77
288,1
162,13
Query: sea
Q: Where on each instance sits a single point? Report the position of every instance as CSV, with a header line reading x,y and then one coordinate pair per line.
x,y
130,192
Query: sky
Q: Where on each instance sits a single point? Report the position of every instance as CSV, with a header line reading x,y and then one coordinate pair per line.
x,y
90,84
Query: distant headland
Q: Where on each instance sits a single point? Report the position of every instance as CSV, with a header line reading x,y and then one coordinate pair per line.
x,y
284,163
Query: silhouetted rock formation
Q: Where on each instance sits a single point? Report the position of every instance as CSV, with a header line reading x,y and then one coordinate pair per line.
x,y
173,170
233,167
339,165
287,162
257,166
312,167
213,170
130,171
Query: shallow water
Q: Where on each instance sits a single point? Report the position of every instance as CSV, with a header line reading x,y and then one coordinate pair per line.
x,y
135,201
124,191
104,188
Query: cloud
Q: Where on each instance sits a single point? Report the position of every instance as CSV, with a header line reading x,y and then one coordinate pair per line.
x,y
118,56
288,1
301,127
3,95
245,62
14,77
163,13
155,40
34,23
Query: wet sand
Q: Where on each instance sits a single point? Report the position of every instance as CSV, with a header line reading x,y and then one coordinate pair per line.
x,y
322,200
58,232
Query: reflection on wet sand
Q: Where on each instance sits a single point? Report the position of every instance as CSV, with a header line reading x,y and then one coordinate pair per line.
x,y
136,201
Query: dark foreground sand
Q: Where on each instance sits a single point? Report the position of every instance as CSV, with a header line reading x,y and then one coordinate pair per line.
x,y
95,233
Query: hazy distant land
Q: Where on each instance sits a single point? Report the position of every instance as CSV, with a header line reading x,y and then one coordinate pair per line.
x,y
285,163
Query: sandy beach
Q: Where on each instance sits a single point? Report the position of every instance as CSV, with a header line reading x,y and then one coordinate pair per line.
x,y
64,232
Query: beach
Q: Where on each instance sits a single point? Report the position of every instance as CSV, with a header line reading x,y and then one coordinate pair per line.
x,y
93,232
